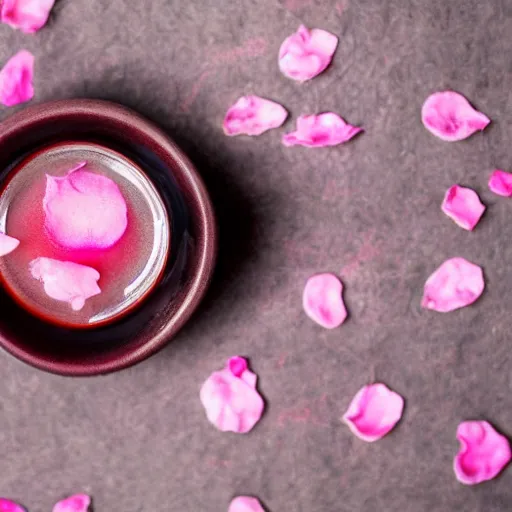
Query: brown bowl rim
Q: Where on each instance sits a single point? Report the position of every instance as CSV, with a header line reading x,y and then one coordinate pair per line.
x,y
194,289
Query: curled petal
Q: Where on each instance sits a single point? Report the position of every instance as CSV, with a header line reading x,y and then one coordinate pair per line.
x,y
323,302
230,398
66,281
76,503
26,15
252,115
483,452
10,506
374,412
449,116
16,79
455,284
463,206
316,131
84,210
306,53
7,245
500,183
245,504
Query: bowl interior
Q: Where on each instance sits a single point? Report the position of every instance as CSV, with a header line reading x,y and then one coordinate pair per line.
x,y
193,239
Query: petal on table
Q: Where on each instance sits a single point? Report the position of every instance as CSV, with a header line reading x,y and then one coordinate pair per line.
x,y
500,183
245,504
455,284
26,15
230,398
7,245
66,281
323,302
374,412
483,452
449,116
84,210
463,206
252,115
76,503
321,130
10,506
16,79
306,53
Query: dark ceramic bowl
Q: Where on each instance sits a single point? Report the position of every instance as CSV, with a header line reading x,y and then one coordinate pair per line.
x,y
189,265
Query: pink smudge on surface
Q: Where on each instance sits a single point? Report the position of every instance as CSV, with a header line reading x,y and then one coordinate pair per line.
x,y
249,49
7,244
26,15
196,89
367,252
500,183
323,302
84,210
307,412
374,412
450,117
10,506
322,130
66,281
253,115
16,79
483,452
306,53
463,206
455,284
230,398
214,462
76,503
245,504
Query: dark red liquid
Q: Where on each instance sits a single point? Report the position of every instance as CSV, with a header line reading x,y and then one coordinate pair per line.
x,y
129,270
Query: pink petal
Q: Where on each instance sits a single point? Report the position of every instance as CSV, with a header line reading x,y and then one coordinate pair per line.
x,y
316,131
449,116
16,79
66,281
483,452
252,115
230,398
373,412
10,506
500,183
323,302
463,206
7,245
27,15
245,504
455,284
84,210
306,53
76,503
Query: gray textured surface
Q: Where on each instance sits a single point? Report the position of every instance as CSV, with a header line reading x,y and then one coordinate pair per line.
x,y
369,210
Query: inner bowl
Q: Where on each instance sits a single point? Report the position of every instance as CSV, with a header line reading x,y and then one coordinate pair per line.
x,y
188,267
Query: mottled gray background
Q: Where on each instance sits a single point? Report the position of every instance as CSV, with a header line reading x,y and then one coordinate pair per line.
x,y
369,211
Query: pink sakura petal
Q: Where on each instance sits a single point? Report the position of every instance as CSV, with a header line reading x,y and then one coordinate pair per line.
x,y
84,210
323,302
26,15
374,412
463,206
306,53
455,284
10,506
500,183
66,281
449,116
483,452
252,115
230,398
16,79
316,131
76,503
245,504
7,245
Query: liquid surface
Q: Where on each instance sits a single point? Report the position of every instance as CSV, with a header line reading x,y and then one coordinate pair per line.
x,y
129,270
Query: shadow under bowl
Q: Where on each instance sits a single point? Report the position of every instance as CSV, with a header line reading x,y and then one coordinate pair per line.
x,y
189,265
